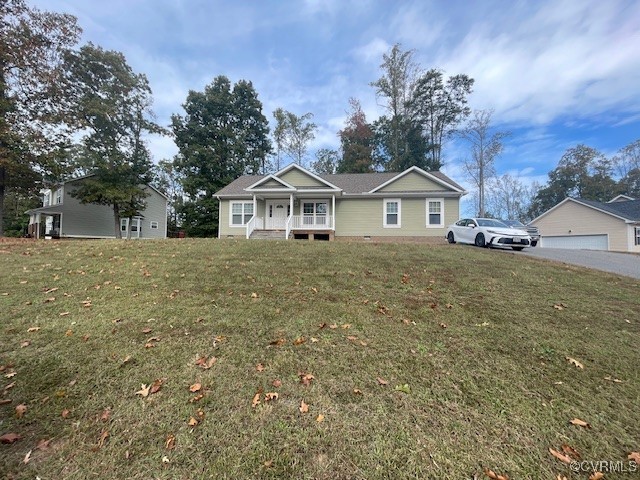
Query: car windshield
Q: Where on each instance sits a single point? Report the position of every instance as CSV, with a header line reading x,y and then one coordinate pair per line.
x,y
513,223
489,222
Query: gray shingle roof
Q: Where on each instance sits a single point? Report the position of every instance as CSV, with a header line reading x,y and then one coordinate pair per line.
x,y
348,182
629,209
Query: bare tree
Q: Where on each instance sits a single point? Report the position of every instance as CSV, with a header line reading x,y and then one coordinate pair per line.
x,y
510,198
293,134
485,147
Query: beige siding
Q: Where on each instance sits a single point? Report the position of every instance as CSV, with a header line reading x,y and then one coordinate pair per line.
x,y
271,184
90,220
412,182
299,179
223,224
583,220
364,217
632,238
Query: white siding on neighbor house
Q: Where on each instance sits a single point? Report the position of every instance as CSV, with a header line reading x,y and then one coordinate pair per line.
x,y
572,218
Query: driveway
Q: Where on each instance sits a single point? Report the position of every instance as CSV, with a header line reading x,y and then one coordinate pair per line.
x,y
620,263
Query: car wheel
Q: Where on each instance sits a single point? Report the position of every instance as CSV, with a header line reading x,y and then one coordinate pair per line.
x,y
480,242
450,238
534,243
518,249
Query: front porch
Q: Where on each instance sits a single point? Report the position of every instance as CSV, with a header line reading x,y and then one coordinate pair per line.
x,y
297,218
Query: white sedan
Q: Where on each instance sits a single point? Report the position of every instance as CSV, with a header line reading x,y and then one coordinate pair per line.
x,y
487,232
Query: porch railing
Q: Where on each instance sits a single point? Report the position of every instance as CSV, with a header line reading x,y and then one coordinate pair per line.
x,y
312,222
287,229
254,223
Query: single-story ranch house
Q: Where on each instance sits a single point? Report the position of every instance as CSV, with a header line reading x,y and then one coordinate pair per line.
x,y
586,224
63,216
296,203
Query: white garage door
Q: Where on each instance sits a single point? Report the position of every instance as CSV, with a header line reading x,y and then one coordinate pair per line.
x,y
584,242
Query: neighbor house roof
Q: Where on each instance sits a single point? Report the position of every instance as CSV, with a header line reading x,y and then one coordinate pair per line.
x,y
628,211
349,183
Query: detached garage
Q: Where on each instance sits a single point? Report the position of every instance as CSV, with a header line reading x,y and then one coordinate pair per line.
x,y
588,225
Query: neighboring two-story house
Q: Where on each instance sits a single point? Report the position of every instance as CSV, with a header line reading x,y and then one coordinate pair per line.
x,y
63,216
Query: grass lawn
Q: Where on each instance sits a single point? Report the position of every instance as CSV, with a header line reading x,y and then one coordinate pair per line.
x,y
411,361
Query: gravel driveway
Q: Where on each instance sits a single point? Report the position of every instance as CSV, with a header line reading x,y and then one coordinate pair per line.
x,y
620,263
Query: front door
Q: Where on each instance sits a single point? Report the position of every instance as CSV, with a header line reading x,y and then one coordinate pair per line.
x,y
277,212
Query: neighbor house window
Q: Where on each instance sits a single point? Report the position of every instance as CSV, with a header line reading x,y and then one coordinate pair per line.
x,y
154,225
58,199
241,213
47,198
435,213
392,210
637,235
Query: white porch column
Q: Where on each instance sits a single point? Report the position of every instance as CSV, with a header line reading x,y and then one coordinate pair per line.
x,y
291,204
333,210
255,206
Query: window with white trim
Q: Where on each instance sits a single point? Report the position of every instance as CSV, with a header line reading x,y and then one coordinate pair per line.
x,y
241,213
435,212
637,235
58,199
154,225
314,213
47,198
392,212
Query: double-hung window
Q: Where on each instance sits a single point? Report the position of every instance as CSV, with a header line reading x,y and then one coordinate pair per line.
x,y
58,199
314,213
241,213
435,212
637,235
392,212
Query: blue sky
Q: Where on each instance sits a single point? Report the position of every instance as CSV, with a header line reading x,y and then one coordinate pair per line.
x,y
557,73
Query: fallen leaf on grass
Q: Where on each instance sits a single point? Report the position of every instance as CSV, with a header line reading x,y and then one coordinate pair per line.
x,y
305,378
254,295
560,456
559,306
405,278
33,329
596,476
106,413
279,342
69,333
155,387
170,442
144,391
165,459
260,367
146,330
320,418
443,325
575,362
352,338
5,401
65,413
10,437
256,400
299,341
195,387
205,364
270,396
333,326
304,408
24,344
64,314
634,456
570,451
197,398
580,423
21,410
491,474
268,464
10,386
27,457
43,444
51,290
192,422
10,374
277,383
382,381
611,379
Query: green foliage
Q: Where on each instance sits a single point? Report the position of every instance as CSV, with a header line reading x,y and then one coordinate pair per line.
x,y
114,112
32,44
439,106
582,172
221,136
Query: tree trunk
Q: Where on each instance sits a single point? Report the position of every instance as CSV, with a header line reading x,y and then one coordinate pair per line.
x,y
116,217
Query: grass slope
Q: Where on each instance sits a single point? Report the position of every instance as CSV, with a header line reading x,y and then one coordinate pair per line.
x,y
472,333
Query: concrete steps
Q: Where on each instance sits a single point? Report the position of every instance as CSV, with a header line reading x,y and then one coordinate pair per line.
x,y
268,235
